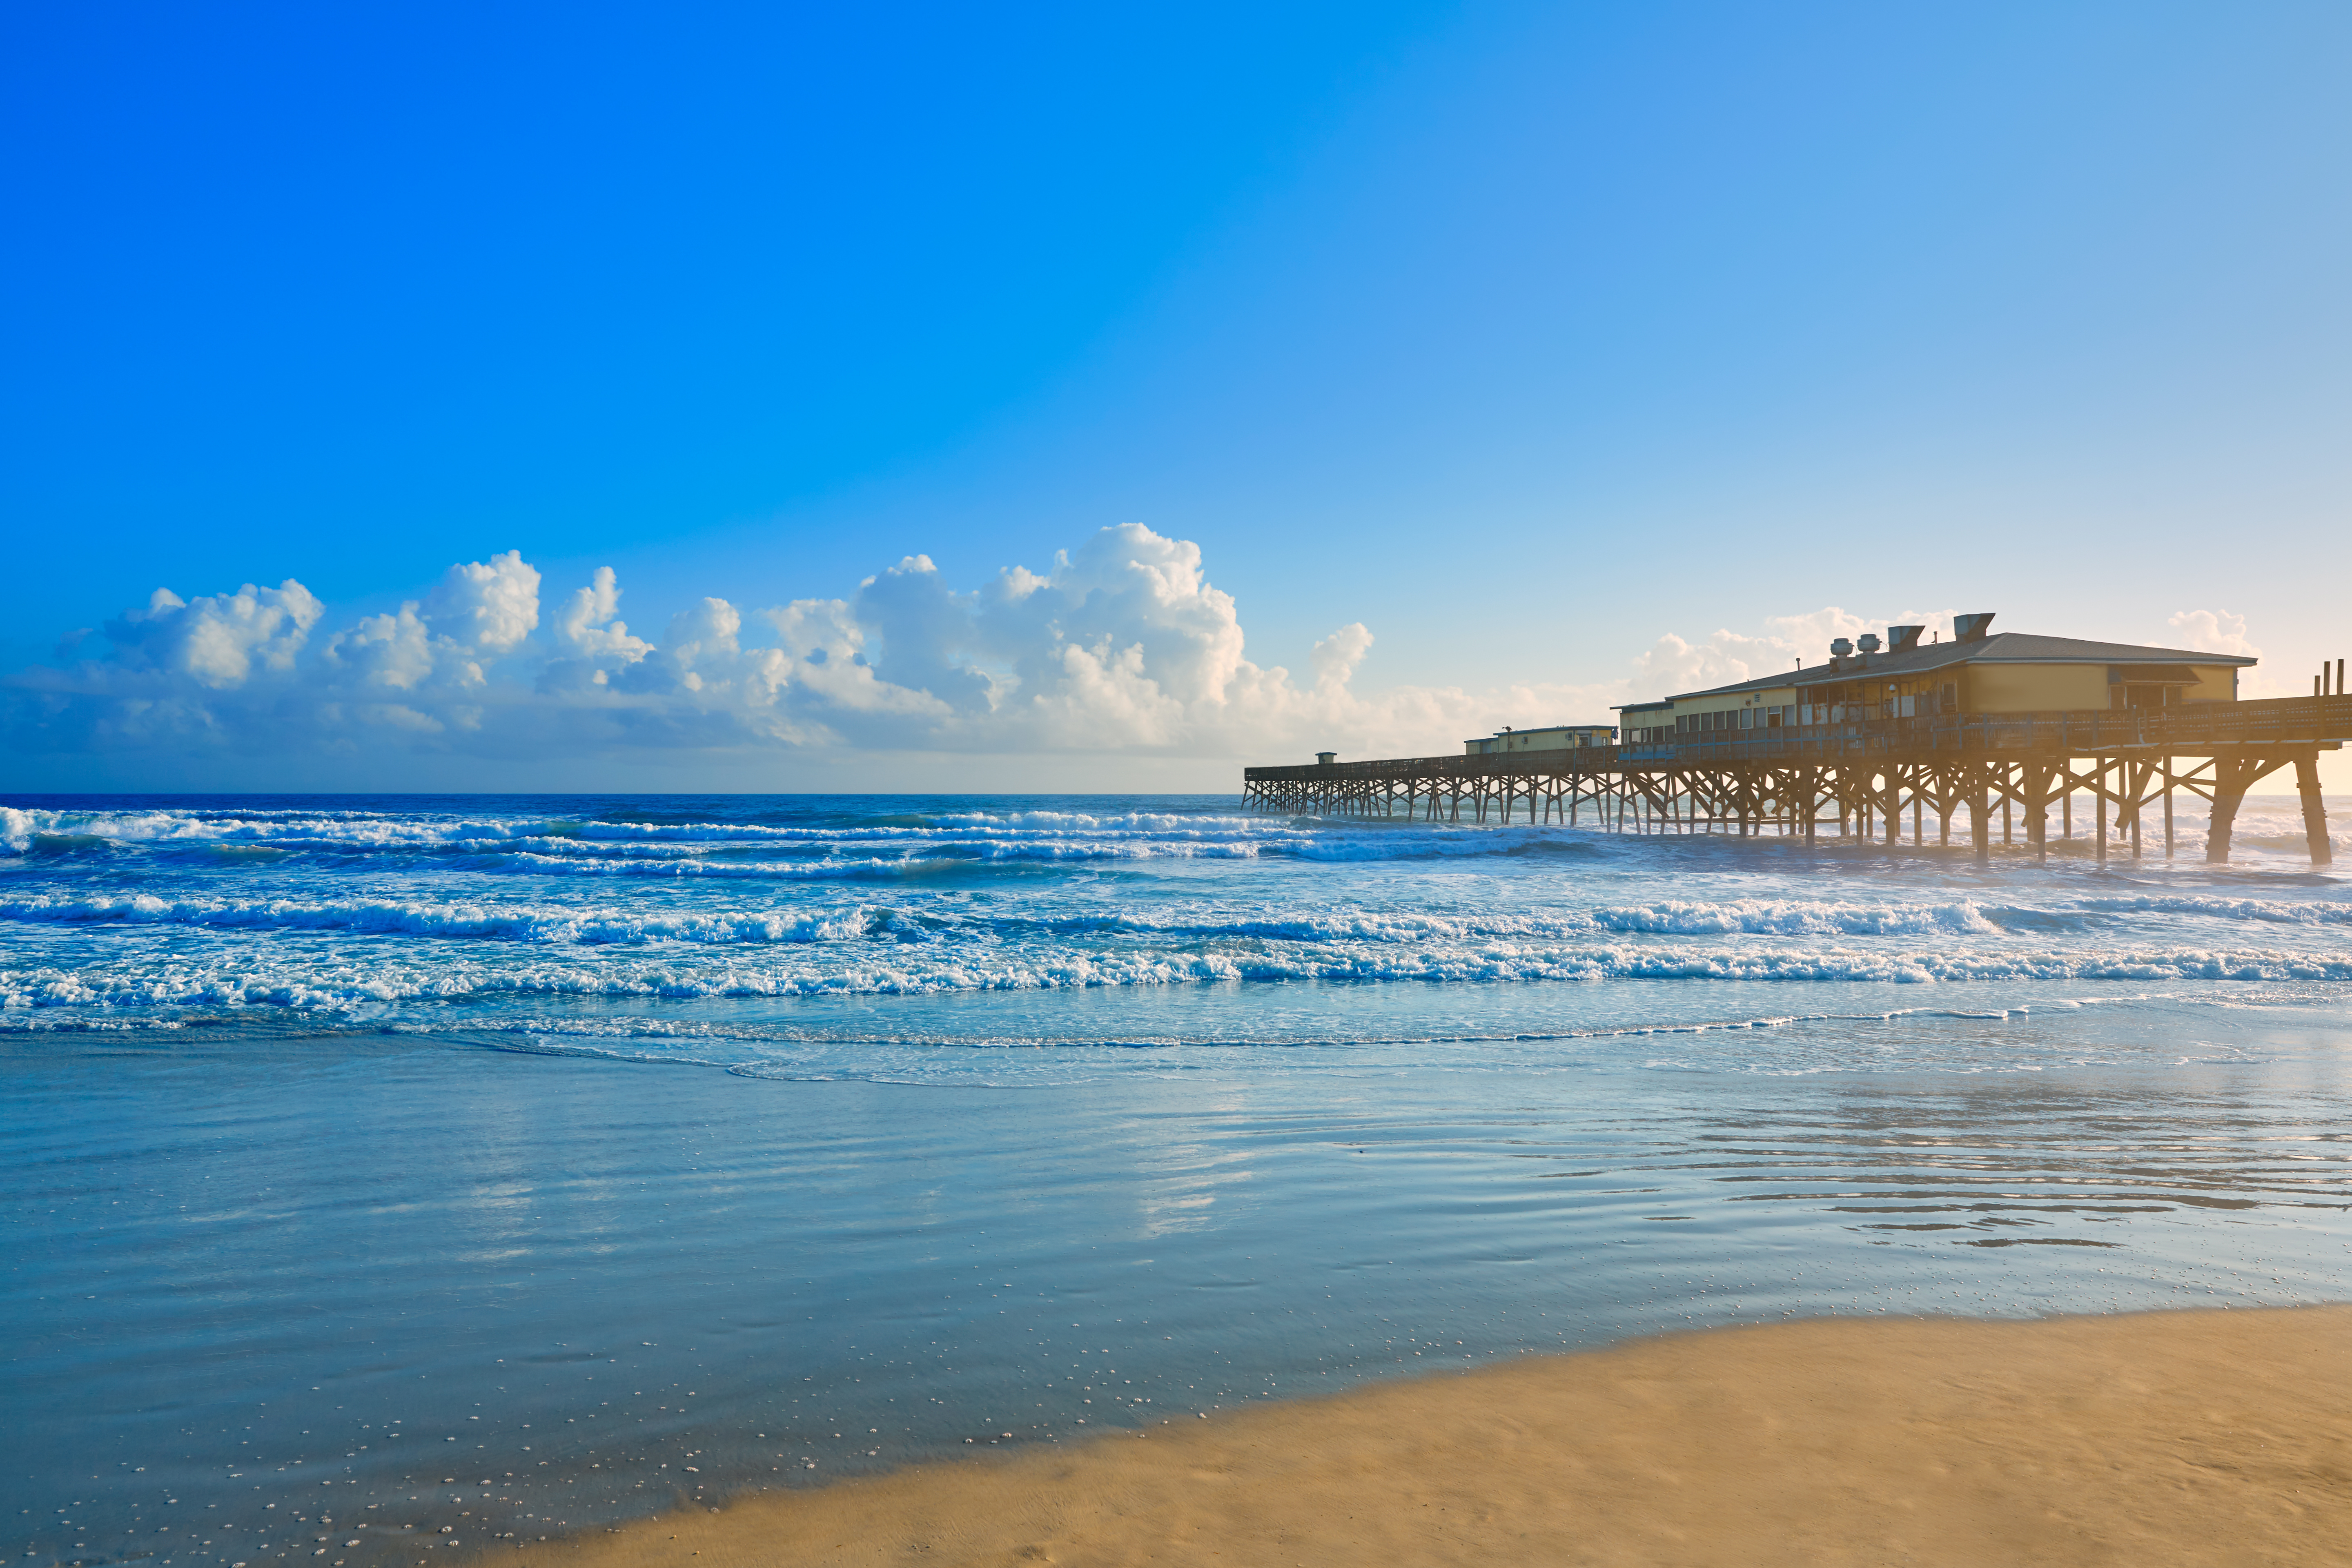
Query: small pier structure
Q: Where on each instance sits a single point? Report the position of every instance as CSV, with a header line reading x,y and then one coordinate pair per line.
x,y
1885,749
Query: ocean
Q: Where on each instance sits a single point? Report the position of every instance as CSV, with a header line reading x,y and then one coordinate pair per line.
x,y
392,1175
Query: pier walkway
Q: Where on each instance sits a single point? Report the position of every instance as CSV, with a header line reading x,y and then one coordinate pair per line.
x,y
1860,779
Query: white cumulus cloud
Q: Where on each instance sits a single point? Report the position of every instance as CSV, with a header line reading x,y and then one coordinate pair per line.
x,y
2213,631
2219,631
219,640
488,606
586,625
1120,646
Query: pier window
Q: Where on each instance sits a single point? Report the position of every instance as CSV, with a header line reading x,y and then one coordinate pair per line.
x,y
2149,685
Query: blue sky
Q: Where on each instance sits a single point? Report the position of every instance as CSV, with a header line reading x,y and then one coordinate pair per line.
x,y
1571,353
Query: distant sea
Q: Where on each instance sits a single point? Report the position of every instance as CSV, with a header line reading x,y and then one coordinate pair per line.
x,y
430,1174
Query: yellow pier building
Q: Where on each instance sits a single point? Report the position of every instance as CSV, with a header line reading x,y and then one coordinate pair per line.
x,y
1551,738
1977,672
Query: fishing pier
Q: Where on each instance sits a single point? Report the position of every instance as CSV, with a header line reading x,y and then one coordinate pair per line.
x,y
1871,745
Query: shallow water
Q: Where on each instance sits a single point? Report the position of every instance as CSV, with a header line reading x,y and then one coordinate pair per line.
x,y
374,1160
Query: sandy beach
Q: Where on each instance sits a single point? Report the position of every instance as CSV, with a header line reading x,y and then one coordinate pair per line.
x,y
2172,1437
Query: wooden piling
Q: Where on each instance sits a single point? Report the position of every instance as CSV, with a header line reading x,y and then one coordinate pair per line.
x,y
2102,798
2167,808
2230,781
2315,813
2037,811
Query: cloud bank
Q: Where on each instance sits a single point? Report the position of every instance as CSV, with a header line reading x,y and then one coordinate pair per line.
x,y
1122,649
1123,646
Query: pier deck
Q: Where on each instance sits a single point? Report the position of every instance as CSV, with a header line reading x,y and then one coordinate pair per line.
x,y
1861,778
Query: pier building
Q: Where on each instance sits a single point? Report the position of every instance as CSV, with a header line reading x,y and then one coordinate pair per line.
x,y
1978,672
1885,729
1551,738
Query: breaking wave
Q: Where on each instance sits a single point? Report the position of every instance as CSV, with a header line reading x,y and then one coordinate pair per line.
x,y
127,917
333,987
559,923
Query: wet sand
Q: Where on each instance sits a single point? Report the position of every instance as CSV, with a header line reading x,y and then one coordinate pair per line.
x,y
2173,1437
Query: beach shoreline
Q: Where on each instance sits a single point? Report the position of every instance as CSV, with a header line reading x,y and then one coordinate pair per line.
x,y
2206,1436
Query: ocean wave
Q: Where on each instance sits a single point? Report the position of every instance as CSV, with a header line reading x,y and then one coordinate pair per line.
x,y
517,924
364,829
1756,917
332,985
599,924
2213,907
2261,827
930,856
1020,835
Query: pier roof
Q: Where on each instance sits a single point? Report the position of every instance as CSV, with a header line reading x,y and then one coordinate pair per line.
x,y
1999,648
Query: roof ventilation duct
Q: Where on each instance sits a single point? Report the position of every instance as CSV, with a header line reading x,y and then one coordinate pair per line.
x,y
1972,629
1903,639
1869,642
1842,647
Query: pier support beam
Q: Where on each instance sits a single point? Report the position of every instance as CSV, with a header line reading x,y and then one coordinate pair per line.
x,y
2167,808
2232,779
2135,776
2229,789
2037,811
2315,814
2100,809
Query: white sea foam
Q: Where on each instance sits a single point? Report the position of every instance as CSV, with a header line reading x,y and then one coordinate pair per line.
x,y
332,984
394,918
1021,835
599,924
474,920
930,856
1006,836
2210,906
1778,916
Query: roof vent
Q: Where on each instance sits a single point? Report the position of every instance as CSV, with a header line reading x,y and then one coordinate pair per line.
x,y
1972,629
1870,642
1903,639
1841,647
